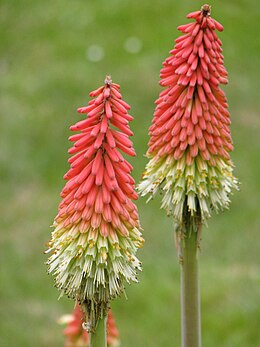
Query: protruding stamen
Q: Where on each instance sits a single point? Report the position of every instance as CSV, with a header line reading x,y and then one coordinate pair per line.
x,y
205,9
108,80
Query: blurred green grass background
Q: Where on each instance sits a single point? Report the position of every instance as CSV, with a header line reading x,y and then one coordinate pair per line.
x,y
47,71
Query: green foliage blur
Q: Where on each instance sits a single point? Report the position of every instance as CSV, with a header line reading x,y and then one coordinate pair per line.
x,y
53,53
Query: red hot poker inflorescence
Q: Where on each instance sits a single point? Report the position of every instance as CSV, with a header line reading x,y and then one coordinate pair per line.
x,y
97,228
78,336
190,137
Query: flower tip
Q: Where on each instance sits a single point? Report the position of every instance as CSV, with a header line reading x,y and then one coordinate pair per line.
x,y
81,109
65,319
205,9
220,27
108,80
193,15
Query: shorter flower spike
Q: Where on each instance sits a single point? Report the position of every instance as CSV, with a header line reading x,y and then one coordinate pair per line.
x,y
190,137
97,231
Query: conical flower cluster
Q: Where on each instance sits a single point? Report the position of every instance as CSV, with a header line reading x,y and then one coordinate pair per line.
x,y
96,232
190,137
79,337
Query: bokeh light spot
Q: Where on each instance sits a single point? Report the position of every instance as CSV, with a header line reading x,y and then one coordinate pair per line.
x,y
133,44
95,53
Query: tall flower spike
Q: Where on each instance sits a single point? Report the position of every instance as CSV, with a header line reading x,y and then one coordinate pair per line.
x,y
190,138
96,233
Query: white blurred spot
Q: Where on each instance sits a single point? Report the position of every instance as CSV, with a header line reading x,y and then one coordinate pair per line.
x,y
95,53
86,326
65,319
133,44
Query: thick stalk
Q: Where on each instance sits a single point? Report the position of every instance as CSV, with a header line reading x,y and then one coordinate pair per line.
x,y
99,338
190,291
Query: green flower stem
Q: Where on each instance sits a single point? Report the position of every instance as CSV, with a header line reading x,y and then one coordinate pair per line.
x,y
190,291
99,338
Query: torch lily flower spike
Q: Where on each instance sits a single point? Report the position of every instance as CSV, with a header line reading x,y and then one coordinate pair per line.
x,y
79,337
189,150
97,231
190,137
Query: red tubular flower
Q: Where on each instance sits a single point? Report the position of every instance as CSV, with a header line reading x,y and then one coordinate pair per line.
x,y
190,137
97,228
112,331
79,337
